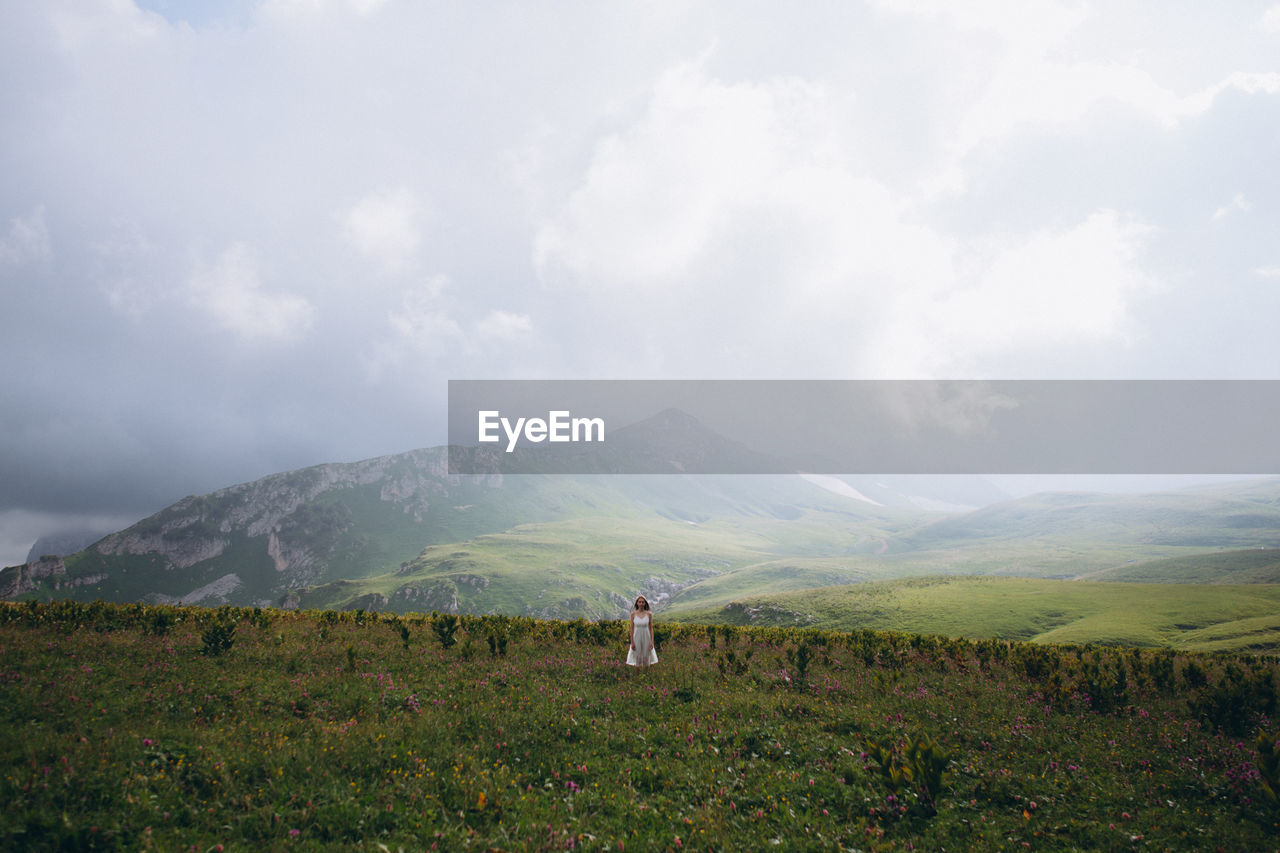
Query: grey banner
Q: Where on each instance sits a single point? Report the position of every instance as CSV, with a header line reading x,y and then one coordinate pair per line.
x,y
864,426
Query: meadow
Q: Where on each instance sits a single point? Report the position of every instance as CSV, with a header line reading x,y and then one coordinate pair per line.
x,y
165,728
1217,617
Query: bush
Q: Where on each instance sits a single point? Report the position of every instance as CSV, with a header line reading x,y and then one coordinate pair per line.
x,y
218,638
1269,768
919,766
445,627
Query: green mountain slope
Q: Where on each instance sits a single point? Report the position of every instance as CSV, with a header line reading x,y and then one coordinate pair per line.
x,y
682,532
401,533
356,532
1253,565
1199,617
1241,515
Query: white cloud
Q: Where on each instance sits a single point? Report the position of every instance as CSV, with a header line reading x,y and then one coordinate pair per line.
x,y
422,327
231,293
367,7
1068,288
294,12
27,240
1267,272
1238,203
423,320
1271,19
655,195
431,329
1036,66
743,191
1031,25
719,179
1027,93
504,326
119,23
123,263
384,227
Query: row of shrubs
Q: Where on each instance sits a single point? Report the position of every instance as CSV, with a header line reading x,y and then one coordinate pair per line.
x,y
1229,691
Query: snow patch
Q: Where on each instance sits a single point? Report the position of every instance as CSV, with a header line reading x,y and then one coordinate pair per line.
x,y
837,486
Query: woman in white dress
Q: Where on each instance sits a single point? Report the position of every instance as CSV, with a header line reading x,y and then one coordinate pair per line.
x,y
641,653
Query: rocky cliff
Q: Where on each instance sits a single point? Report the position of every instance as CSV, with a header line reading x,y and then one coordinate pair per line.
x,y
256,542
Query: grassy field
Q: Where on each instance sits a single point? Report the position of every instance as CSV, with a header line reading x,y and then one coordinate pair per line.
x,y
157,728
1253,565
1203,617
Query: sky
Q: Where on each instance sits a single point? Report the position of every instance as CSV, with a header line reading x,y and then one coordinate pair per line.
x,y
252,236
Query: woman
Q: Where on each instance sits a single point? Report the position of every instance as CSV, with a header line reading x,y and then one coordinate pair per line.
x,y
641,653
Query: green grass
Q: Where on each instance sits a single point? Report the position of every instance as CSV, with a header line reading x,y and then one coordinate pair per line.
x,y
1253,565
325,731
1185,616
574,568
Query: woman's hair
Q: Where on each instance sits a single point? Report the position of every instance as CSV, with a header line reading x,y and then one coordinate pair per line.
x,y
640,598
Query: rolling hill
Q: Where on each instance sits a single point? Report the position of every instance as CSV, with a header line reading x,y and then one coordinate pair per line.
x,y
1192,617
402,533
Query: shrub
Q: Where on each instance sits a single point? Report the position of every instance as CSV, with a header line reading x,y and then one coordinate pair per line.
x,y
799,659
1269,768
445,627
160,622
1236,701
218,638
919,766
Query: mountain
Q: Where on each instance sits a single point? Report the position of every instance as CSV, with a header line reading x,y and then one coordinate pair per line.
x,y
62,542
402,533
254,542
1247,566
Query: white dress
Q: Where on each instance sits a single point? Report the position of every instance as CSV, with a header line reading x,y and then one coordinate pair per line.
x,y
642,639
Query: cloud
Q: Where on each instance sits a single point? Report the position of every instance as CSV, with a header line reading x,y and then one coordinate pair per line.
x,y
383,226
423,321
504,326
1238,203
124,269
1065,288
1036,67
655,195
19,529
1033,26
1267,272
743,190
1030,93
728,182
292,10
426,332
27,240
1271,19
915,189
420,330
231,293
964,409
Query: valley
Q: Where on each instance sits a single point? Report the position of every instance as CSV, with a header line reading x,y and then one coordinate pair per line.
x,y
1194,568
